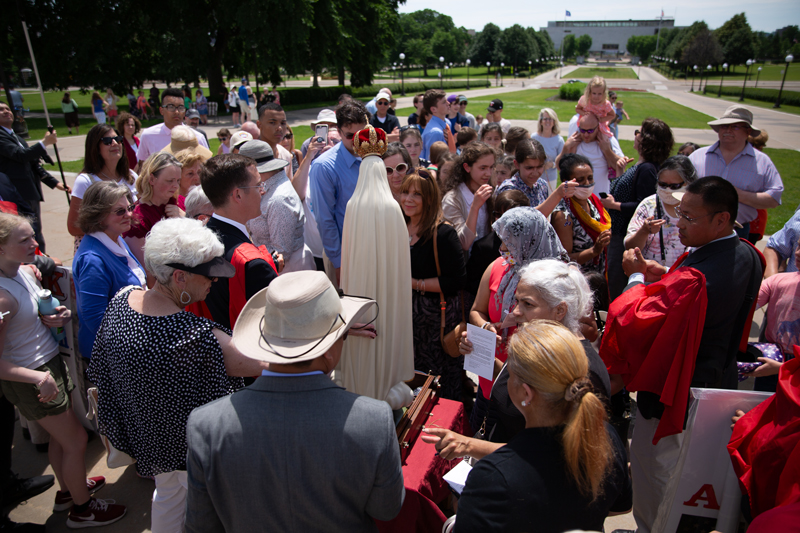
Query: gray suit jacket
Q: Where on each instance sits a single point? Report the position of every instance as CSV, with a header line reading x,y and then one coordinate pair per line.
x,y
292,454
22,166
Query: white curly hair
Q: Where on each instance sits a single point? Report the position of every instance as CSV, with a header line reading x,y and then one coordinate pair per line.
x,y
179,240
557,282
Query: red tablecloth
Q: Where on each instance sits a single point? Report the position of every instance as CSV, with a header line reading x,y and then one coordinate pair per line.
x,y
422,476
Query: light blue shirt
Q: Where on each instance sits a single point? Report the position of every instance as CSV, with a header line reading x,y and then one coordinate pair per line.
x,y
333,177
434,132
784,242
372,106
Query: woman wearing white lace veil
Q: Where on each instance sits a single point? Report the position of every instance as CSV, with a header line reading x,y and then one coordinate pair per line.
x,y
376,263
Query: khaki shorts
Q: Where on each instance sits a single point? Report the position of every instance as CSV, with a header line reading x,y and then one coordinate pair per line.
x,y
26,397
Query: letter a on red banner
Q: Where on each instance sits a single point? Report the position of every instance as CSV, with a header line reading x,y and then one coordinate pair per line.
x,y
707,494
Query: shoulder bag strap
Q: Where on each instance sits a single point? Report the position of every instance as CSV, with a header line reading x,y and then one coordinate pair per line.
x,y
442,301
661,230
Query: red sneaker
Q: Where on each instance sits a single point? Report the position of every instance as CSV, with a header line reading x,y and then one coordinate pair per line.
x,y
99,513
64,499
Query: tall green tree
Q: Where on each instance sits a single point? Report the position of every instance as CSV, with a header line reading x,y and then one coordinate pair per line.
x,y
703,50
584,43
515,46
484,45
641,46
736,39
570,46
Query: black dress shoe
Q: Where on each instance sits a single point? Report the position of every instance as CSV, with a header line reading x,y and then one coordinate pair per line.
x,y
8,525
18,490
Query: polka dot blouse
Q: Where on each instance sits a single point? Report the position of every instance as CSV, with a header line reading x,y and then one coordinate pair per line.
x,y
151,371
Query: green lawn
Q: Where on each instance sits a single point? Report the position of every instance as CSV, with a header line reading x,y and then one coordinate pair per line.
x,y
757,103
608,73
37,127
475,72
788,164
525,105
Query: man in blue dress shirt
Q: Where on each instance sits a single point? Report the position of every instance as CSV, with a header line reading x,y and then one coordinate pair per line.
x,y
333,178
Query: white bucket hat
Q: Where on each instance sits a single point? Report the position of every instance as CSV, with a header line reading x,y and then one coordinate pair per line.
x,y
298,317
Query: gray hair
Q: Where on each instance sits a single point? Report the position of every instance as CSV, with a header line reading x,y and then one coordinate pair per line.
x,y
558,282
179,240
682,165
197,203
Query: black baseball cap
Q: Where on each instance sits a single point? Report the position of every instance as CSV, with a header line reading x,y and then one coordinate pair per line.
x,y
495,105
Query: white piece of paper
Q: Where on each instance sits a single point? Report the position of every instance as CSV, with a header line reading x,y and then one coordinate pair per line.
x,y
481,360
457,477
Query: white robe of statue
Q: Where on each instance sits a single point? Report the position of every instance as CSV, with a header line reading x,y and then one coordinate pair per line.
x,y
376,262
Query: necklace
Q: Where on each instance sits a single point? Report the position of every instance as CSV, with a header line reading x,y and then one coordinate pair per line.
x,y
107,176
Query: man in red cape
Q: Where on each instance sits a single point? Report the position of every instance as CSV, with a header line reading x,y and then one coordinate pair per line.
x,y
765,445
651,340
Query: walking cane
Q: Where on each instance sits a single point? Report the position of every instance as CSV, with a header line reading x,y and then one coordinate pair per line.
x,y
60,168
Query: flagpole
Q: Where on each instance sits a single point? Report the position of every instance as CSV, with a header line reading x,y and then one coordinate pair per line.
x,y
658,33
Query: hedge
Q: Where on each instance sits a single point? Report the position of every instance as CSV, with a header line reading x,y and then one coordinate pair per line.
x,y
571,91
311,95
763,95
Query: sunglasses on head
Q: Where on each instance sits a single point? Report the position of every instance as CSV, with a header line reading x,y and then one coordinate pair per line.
x,y
122,210
400,169
108,140
424,174
672,186
409,127
587,131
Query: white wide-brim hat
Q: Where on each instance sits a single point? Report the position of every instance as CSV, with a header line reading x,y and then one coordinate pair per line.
x,y
298,317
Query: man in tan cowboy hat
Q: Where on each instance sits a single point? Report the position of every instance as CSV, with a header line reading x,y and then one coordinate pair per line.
x,y
752,173
294,452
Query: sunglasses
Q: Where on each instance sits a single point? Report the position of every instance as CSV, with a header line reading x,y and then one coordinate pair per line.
x,y
122,210
424,174
288,136
671,186
400,169
409,127
637,132
587,131
222,137
108,140
382,102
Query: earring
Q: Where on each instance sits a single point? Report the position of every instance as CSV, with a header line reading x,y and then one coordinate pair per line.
x,y
524,403
188,298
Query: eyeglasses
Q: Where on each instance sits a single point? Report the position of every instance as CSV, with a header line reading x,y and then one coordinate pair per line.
x,y
262,186
682,215
222,137
462,103
288,136
382,102
409,127
400,169
732,127
122,210
172,108
108,140
587,131
672,186
546,119
424,174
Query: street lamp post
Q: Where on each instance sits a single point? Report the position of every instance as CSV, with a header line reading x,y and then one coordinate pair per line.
x,y
724,67
488,64
468,62
502,68
747,72
441,73
789,59
708,76
402,80
694,72
758,74
394,68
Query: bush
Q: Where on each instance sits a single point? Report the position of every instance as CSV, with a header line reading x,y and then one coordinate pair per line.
x,y
571,91
763,95
312,95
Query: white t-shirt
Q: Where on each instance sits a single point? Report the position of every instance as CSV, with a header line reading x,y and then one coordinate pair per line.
x,y
595,155
480,227
83,181
156,138
505,125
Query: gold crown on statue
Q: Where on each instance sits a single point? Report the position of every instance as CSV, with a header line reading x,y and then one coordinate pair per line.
x,y
370,141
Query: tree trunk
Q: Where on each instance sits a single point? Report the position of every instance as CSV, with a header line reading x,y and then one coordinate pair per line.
x,y
340,73
216,85
314,76
425,68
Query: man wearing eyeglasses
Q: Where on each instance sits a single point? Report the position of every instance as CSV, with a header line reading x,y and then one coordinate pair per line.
x,y
751,171
602,152
732,271
155,138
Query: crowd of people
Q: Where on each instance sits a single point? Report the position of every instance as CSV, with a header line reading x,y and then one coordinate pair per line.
x,y
197,274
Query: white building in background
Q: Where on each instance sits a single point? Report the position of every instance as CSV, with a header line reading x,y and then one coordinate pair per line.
x,y
608,36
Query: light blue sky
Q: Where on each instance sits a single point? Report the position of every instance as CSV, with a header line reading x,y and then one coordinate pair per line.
x,y
764,15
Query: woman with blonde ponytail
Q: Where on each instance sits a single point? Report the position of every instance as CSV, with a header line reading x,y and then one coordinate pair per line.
x,y
567,469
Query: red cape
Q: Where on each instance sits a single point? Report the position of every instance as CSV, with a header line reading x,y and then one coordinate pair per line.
x,y
652,337
765,445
